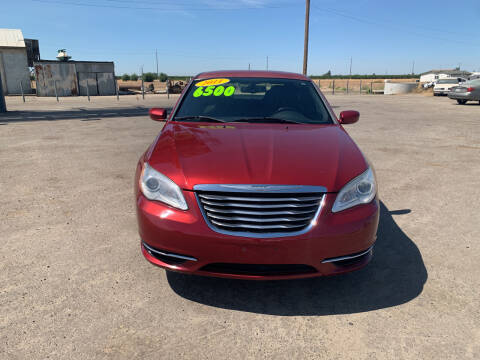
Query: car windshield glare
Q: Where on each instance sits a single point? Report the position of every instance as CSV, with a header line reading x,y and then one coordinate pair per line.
x,y
253,100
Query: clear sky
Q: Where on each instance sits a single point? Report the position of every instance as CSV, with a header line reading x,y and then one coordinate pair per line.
x,y
382,36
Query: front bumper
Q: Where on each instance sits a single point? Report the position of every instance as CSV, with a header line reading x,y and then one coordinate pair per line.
x,y
186,234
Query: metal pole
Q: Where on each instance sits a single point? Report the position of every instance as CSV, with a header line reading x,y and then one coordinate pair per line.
x,y
3,106
88,92
167,84
348,83
116,89
21,89
333,87
305,43
267,63
55,86
143,86
371,87
156,58
360,86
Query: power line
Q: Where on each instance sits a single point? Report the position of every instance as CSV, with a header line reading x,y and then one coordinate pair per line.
x,y
388,26
163,9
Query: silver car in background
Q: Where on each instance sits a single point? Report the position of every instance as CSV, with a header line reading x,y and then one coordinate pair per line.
x,y
467,91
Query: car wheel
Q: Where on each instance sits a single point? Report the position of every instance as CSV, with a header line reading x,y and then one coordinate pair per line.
x,y
461,102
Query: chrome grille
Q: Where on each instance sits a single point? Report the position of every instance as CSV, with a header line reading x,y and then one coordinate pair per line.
x,y
260,210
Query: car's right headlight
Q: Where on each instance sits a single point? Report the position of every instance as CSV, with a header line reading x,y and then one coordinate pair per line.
x,y
156,186
360,190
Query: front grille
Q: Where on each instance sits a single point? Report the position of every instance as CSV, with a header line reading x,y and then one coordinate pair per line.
x,y
259,269
259,212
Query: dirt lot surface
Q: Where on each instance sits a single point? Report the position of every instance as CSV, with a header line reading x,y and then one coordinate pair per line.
x,y
74,285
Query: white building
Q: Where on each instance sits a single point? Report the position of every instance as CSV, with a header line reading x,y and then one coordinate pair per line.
x,y
14,62
433,75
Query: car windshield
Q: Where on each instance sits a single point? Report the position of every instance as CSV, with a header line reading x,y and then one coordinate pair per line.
x,y
475,82
447,81
253,100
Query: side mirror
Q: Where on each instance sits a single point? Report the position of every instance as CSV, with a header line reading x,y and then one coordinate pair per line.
x,y
158,114
349,117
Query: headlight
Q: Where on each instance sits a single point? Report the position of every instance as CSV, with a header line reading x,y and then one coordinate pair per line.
x,y
360,190
156,186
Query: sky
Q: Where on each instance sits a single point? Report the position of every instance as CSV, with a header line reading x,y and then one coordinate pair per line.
x,y
191,36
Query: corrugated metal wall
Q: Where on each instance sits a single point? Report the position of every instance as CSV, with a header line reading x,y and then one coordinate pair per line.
x,y
71,78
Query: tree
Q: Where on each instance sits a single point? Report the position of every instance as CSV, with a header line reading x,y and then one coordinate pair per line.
x,y
327,74
125,77
134,77
163,77
149,77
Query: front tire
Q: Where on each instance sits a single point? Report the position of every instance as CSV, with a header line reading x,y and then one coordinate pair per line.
x,y
461,101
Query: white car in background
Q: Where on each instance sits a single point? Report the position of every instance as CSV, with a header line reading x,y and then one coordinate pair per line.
x,y
443,86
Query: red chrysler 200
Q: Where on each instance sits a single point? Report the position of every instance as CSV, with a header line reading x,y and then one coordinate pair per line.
x,y
254,177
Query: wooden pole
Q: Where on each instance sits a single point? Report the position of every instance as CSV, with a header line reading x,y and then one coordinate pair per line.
x,y
305,44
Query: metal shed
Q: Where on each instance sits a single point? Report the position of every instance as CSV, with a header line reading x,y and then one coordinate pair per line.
x,y
14,62
71,78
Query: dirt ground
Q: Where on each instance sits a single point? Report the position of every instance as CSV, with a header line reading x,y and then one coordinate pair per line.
x,y
74,285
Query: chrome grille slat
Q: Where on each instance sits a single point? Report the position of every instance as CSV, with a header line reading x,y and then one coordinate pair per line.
x,y
261,210
249,226
261,206
252,219
260,199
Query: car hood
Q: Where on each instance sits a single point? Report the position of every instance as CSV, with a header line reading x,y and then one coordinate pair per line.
x,y
201,153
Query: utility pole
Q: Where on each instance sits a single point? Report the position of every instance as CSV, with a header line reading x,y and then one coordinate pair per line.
x,y
248,66
413,67
3,106
305,43
156,58
267,62
351,66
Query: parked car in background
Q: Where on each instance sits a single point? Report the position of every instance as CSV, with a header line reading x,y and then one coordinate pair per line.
x,y
443,86
467,91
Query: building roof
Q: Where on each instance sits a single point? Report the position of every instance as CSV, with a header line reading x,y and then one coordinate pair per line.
x,y
11,38
250,73
448,72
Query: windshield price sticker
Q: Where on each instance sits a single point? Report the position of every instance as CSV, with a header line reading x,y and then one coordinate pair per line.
x,y
215,90
212,82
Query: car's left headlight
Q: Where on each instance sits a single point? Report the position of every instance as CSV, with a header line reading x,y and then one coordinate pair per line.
x,y
360,190
156,186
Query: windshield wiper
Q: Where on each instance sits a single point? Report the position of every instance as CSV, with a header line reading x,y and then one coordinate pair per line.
x,y
198,117
267,119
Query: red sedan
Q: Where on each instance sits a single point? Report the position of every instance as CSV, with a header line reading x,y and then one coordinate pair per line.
x,y
254,177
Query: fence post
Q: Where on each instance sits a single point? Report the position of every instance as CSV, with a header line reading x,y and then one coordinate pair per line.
x,y
3,106
21,89
333,87
371,87
55,86
360,87
116,89
88,92
348,83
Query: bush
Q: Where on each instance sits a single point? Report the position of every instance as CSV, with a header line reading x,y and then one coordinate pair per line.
x,y
149,77
163,77
134,77
125,77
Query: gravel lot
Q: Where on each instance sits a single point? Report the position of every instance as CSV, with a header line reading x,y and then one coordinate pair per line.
x,y
74,285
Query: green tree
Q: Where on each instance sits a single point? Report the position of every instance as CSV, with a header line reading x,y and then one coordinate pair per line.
x,y
134,77
125,77
149,77
163,77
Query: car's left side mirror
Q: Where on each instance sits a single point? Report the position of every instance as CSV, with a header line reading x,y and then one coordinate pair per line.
x,y
349,117
158,114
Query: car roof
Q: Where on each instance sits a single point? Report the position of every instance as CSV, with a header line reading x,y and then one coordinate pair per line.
x,y
250,73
